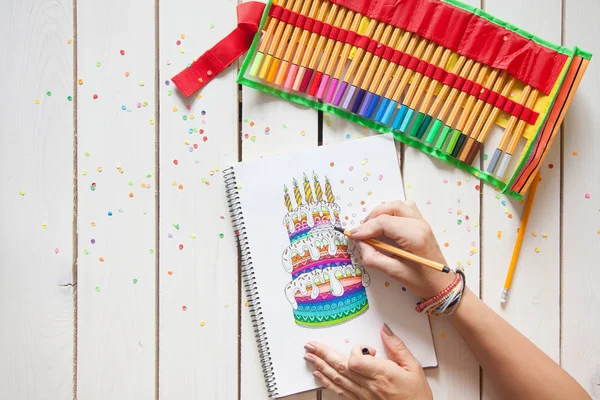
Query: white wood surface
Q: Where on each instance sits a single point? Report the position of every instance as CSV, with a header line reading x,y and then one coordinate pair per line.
x,y
135,340
36,213
116,316
533,304
579,351
198,344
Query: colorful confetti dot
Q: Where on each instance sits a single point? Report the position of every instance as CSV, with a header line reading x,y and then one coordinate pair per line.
x,y
95,96
126,74
48,93
70,98
537,249
587,196
184,308
97,288
56,250
575,152
37,101
151,251
221,235
387,284
135,281
202,323
101,259
180,247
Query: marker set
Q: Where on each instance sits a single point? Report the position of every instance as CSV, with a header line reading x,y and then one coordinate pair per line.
x,y
438,75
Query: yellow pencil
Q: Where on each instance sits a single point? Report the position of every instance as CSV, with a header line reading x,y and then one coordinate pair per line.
x,y
515,255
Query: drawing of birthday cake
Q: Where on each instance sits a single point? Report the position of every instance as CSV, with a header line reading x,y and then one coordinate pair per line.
x,y
327,286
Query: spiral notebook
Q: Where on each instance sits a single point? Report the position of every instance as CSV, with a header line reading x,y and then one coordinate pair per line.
x,y
305,281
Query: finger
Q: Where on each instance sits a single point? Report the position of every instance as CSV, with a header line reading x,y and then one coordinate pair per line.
x,y
382,262
369,367
334,376
396,208
335,360
403,230
397,350
329,385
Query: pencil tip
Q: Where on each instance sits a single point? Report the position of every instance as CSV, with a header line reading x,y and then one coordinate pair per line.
x,y
341,230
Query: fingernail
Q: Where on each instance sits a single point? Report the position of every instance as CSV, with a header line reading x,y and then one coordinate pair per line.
x,y
310,347
386,329
310,358
317,375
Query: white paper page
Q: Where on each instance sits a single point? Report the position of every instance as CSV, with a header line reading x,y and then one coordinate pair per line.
x,y
363,174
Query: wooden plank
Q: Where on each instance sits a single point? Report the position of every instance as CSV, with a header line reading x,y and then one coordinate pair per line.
x,y
36,173
117,232
198,289
449,200
533,305
580,354
269,126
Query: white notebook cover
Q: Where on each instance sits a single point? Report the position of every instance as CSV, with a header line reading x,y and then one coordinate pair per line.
x,y
362,174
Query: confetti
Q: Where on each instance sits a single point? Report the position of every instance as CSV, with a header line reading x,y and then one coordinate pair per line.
x,y
142,83
21,193
69,41
126,74
575,152
97,288
180,247
537,249
95,96
184,308
49,93
545,235
587,196
80,81
170,272
37,101
101,259
69,98
56,250
387,284
135,281
202,323
221,235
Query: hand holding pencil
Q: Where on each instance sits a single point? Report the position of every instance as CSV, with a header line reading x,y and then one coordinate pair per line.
x,y
403,223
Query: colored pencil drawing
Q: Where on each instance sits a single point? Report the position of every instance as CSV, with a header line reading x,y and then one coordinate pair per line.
x,y
328,283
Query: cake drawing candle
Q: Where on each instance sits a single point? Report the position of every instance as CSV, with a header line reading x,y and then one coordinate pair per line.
x,y
318,189
307,191
297,192
286,196
328,191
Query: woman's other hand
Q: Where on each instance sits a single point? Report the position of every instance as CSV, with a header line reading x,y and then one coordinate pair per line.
x,y
365,377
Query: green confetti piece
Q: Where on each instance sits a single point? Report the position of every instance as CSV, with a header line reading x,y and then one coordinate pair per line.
x,y
135,281
97,288
151,251
221,235
97,63
176,226
70,98
86,251
48,93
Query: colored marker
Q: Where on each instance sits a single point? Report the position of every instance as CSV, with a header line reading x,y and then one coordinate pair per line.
x,y
400,78
304,73
266,41
408,74
371,63
426,87
493,82
507,133
353,66
315,90
515,137
388,76
372,98
413,88
457,107
280,36
292,45
445,99
338,59
484,124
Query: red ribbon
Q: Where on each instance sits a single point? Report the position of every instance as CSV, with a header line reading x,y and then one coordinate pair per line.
x,y
215,60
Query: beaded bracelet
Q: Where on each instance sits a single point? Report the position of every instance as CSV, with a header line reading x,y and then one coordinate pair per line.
x,y
447,301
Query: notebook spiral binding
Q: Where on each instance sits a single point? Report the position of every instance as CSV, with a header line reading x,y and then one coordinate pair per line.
x,y
248,276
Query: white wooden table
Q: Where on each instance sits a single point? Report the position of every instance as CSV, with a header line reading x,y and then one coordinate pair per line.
x,y
118,268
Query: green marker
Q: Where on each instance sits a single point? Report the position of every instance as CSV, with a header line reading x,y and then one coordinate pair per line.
x,y
256,64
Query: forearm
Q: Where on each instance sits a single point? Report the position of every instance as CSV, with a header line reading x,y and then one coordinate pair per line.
x,y
514,364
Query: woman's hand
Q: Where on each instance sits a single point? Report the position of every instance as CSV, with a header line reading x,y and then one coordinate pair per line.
x,y
365,377
402,222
